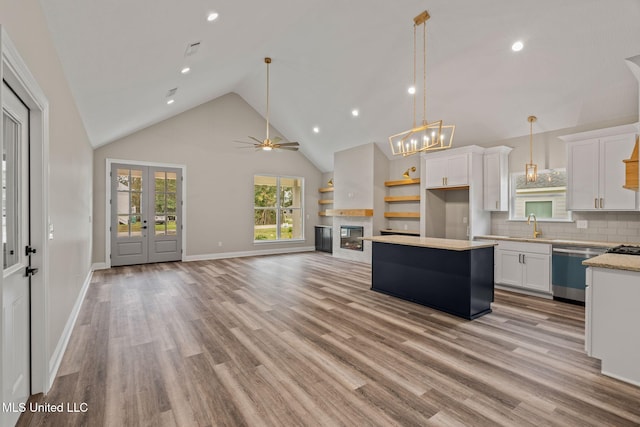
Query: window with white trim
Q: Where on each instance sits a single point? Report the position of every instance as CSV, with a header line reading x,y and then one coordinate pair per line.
x,y
278,208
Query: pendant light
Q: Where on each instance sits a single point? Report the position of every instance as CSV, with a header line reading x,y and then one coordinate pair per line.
x,y
426,136
531,169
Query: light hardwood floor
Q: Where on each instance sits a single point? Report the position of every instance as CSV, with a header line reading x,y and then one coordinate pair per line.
x,y
301,340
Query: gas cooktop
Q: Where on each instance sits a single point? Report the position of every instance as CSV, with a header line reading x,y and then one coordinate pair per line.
x,y
625,250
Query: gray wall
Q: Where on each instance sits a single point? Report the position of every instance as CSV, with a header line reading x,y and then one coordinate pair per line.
x,y
219,175
70,164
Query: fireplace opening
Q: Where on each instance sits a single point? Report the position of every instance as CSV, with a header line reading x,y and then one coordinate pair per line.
x,y
351,237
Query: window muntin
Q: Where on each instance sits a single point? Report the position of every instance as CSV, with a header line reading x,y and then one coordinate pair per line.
x,y
546,198
278,213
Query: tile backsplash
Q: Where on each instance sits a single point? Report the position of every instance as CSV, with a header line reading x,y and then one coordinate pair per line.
x,y
622,227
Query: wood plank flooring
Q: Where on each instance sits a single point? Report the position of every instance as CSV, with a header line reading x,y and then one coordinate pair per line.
x,y
300,339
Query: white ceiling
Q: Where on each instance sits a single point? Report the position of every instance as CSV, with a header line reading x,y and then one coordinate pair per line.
x,y
330,56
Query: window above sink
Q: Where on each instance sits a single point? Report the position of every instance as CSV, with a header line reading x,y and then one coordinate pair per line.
x,y
546,198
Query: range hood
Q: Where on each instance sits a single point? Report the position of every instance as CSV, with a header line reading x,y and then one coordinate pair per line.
x,y
632,174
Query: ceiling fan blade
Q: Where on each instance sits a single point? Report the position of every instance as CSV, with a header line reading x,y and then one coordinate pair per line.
x,y
288,148
289,144
257,140
276,139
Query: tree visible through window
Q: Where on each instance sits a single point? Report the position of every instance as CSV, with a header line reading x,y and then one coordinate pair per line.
x,y
277,213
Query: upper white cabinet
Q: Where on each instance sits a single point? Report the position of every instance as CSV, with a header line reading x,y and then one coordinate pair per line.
x,y
451,204
596,172
447,171
496,178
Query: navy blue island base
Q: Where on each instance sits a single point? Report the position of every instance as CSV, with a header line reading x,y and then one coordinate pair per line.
x,y
458,282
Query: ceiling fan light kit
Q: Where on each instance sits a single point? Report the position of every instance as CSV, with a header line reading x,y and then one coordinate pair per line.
x,y
269,144
426,136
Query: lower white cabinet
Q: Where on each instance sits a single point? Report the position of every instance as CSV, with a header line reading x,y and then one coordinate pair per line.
x,y
611,319
523,265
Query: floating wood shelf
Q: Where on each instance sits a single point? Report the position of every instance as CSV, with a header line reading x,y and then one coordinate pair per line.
x,y
323,213
349,212
325,201
402,182
631,166
401,232
459,187
402,214
325,190
391,199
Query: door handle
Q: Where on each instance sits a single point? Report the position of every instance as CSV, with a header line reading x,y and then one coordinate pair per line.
x,y
28,250
30,271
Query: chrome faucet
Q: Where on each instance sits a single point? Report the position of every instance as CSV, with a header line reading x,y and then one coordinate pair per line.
x,y
536,233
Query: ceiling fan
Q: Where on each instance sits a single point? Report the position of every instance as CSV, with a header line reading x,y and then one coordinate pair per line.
x,y
270,144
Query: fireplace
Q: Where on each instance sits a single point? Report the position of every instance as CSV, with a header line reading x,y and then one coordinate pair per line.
x,y
351,237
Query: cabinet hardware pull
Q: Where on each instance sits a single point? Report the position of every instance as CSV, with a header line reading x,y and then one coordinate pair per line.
x,y
523,260
601,203
595,201
519,258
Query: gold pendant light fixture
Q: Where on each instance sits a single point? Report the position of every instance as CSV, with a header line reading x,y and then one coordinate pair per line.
x,y
531,169
426,136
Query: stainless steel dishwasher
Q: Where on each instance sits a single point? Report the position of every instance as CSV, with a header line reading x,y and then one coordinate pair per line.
x,y
567,272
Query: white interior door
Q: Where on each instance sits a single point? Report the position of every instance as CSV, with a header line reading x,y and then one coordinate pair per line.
x,y
16,256
146,214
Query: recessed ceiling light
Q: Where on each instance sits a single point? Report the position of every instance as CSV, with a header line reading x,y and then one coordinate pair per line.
x,y
212,16
185,70
355,113
170,101
316,129
517,46
411,90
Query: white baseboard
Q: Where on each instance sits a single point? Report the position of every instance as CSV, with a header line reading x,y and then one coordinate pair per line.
x,y
273,251
56,357
98,266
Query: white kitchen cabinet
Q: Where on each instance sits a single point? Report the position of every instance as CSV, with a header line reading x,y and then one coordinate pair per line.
x,y
447,171
523,265
611,314
596,172
451,204
496,179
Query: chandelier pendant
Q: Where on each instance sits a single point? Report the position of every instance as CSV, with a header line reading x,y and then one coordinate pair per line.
x,y
426,136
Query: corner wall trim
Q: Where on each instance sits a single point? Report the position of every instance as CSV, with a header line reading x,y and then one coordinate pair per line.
x,y
56,357
224,255
98,266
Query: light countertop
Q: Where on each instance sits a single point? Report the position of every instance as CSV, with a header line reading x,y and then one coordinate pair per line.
x,y
563,242
615,262
431,242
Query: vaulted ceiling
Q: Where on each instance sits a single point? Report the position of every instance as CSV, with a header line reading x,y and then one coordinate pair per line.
x,y
121,57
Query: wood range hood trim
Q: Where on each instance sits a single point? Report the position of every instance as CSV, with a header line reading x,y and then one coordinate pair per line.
x,y
631,169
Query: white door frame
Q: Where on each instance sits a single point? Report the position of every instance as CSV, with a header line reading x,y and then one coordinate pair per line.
x,y
17,75
107,204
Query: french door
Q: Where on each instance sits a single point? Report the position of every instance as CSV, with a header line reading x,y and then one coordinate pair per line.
x,y
16,265
146,214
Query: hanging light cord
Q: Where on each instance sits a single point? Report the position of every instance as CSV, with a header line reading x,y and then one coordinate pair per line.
x,y
268,61
414,75
424,72
530,141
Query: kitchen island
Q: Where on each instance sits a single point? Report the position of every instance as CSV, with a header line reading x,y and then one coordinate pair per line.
x,y
454,276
